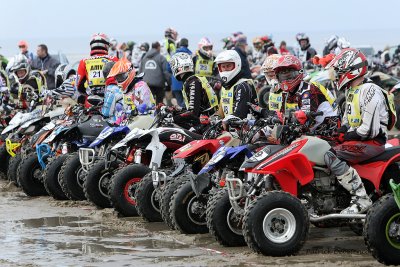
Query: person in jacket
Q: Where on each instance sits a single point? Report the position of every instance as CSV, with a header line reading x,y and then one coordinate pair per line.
x,y
177,85
23,49
237,90
46,64
200,98
306,52
241,49
90,78
155,69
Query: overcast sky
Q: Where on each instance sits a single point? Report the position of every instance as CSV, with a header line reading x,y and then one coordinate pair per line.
x,y
27,19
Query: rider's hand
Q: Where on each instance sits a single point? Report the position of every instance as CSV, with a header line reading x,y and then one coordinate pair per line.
x,y
343,129
255,108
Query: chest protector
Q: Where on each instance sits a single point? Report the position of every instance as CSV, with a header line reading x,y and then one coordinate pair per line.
x,y
227,97
94,70
353,108
329,97
275,101
204,67
212,97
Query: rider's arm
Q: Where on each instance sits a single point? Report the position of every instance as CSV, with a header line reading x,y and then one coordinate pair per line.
x,y
242,95
193,91
81,77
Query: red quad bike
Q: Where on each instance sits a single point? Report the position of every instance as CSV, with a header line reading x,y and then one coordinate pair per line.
x,y
298,189
185,207
382,228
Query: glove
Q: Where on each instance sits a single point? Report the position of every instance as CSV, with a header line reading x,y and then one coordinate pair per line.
x,y
340,138
315,60
343,129
255,108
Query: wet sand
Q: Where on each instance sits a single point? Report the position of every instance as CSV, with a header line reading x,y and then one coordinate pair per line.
x,y
44,232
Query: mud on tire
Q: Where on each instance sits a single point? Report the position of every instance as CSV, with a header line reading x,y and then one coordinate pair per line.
x,y
184,218
51,178
218,210
148,200
97,183
71,184
380,217
123,187
167,193
12,169
4,158
276,224
29,174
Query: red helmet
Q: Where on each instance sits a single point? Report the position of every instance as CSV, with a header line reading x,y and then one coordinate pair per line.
x,y
349,65
99,44
289,72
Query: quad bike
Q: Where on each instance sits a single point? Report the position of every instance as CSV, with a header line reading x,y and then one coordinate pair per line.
x,y
296,188
101,169
223,222
187,204
196,153
92,158
382,228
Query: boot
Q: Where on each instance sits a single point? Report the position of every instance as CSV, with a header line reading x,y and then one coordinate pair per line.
x,y
360,201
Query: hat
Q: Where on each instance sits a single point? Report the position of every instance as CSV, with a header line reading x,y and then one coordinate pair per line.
x,y
241,40
22,43
184,42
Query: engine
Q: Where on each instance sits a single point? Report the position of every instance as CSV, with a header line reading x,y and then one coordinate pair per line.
x,y
325,195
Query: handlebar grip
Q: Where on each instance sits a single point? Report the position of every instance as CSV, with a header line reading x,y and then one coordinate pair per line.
x,y
315,114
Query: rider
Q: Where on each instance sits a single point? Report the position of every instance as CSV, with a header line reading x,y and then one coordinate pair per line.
x,y
275,94
90,79
306,52
237,90
125,86
169,44
200,98
364,125
203,61
31,82
258,52
114,51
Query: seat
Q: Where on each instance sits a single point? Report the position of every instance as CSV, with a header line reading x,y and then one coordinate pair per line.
x,y
385,156
193,135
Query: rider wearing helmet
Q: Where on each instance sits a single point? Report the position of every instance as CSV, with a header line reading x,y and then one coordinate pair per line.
x,y
309,97
114,51
127,88
275,94
258,52
330,45
31,83
306,52
90,79
200,98
169,44
364,125
237,90
204,59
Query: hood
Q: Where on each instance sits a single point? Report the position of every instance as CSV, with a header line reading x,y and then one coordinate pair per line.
x,y
152,53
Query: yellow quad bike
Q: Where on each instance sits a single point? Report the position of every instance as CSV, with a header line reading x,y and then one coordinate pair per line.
x,y
382,228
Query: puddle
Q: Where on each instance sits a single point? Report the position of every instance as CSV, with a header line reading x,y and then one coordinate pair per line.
x,y
43,232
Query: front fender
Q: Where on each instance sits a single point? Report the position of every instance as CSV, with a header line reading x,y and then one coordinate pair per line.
x,y
195,147
107,133
288,171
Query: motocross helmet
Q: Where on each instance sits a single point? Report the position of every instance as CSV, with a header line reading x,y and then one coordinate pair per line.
x,y
228,56
123,73
99,44
181,63
21,68
289,72
268,68
205,47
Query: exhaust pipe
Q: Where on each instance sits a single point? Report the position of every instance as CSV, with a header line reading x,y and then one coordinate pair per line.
x,y
314,218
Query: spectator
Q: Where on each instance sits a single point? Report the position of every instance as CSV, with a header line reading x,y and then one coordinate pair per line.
x,y
23,48
282,49
240,48
176,85
155,68
47,64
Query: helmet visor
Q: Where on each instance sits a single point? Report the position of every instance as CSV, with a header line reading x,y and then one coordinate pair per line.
x,y
287,75
120,78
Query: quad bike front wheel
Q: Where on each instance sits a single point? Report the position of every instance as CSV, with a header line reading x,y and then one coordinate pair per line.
x,y
123,187
276,224
382,231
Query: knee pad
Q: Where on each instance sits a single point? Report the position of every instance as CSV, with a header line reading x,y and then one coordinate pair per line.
x,y
336,165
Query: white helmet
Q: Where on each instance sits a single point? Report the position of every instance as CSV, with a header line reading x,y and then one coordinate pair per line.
x,y
225,57
343,43
181,63
205,47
